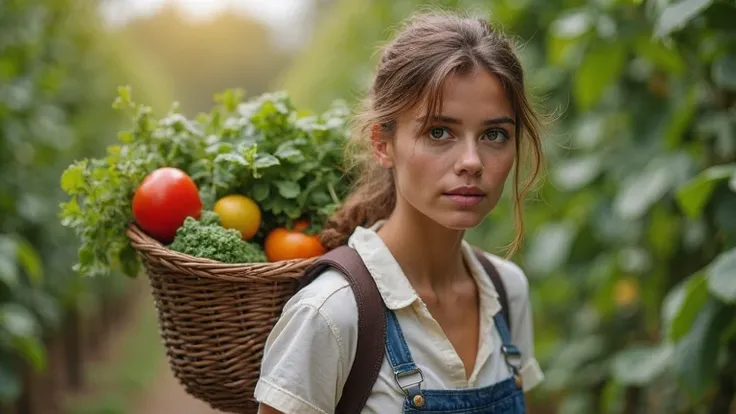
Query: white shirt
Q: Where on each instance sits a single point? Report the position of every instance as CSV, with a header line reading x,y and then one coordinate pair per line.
x,y
310,350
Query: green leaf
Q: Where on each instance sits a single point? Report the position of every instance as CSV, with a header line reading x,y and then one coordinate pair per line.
x,y
640,191
260,191
663,231
125,93
550,246
72,179
666,58
576,173
683,111
639,366
287,151
29,260
724,72
288,189
695,356
695,194
129,264
571,24
32,350
230,158
8,261
8,271
320,198
721,276
601,67
677,15
17,320
732,182
686,305
293,212
265,161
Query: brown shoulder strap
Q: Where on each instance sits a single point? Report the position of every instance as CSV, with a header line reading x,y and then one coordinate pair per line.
x,y
371,325
497,283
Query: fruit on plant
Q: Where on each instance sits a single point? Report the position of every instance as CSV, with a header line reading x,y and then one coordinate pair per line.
x,y
625,292
240,213
163,200
284,244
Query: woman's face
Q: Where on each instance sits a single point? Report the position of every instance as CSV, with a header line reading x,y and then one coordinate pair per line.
x,y
454,172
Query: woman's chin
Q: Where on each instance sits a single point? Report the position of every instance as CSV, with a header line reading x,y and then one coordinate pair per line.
x,y
461,220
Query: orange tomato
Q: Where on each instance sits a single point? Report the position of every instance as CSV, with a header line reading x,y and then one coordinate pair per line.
x,y
284,244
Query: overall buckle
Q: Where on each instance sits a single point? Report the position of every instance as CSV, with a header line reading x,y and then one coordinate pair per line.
x,y
405,387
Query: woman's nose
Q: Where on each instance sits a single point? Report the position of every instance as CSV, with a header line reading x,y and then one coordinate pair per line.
x,y
469,160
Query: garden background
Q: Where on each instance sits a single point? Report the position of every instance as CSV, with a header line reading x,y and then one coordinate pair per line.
x,y
631,240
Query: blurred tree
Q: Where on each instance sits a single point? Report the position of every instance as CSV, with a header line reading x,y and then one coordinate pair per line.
x,y
631,251
58,77
202,58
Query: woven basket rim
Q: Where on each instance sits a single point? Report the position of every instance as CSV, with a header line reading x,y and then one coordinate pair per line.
x,y
149,246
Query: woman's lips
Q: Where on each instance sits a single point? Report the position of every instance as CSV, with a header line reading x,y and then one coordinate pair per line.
x,y
466,195
465,200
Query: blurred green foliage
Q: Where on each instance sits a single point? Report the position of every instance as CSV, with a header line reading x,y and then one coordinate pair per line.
x,y
631,240
58,78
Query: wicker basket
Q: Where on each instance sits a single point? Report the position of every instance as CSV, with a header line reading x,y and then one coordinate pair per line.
x,y
214,318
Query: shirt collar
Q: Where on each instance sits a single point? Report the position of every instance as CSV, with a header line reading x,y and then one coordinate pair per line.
x,y
391,281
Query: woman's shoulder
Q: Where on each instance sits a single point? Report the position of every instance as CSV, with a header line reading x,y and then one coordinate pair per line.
x,y
514,279
330,296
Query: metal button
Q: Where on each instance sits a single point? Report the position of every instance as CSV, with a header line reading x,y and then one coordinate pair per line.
x,y
418,400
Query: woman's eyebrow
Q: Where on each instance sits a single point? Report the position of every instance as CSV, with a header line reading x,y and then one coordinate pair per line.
x,y
454,121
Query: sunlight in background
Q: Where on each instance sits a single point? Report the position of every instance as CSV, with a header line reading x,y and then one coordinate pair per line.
x,y
289,19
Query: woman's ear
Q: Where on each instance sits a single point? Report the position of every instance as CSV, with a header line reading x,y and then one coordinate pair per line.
x,y
381,145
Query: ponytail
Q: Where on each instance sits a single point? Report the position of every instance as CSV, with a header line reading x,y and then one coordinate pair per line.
x,y
373,199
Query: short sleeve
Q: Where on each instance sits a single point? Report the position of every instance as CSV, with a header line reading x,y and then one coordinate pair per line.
x,y
303,366
522,326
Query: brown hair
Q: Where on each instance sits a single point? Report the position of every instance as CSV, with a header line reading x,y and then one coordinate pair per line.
x,y
412,70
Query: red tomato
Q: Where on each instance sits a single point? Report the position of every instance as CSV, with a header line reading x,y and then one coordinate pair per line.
x,y
162,202
285,244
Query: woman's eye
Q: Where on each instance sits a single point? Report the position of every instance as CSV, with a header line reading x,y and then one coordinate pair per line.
x,y
497,135
437,133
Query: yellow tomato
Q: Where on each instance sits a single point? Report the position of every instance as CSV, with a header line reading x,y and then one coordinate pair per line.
x,y
240,213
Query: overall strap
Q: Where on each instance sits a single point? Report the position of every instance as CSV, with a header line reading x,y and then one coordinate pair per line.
x,y
408,376
511,353
371,324
502,319
497,283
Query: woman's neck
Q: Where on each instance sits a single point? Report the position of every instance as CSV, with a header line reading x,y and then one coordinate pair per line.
x,y
430,255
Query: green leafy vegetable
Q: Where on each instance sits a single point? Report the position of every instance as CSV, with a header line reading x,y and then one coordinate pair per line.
x,y
207,239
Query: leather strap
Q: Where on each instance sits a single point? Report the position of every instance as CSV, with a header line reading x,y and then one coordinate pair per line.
x,y
497,283
371,325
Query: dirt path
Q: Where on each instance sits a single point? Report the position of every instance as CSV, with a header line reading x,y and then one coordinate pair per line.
x,y
169,397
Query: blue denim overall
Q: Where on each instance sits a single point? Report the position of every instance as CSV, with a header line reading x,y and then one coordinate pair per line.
x,y
505,397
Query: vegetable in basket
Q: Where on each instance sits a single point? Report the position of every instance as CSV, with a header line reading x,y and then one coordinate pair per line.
x,y
288,244
207,238
164,199
240,213
285,160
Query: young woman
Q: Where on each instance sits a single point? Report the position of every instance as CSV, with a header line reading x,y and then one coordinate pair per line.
x,y
445,123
